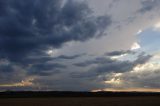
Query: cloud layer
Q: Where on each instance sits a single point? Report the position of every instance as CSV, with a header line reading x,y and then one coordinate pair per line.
x,y
32,27
60,44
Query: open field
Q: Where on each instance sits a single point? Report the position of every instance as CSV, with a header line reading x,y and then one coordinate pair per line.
x,y
82,101
79,98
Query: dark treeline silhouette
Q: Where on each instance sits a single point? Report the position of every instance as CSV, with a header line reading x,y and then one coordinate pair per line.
x,y
41,94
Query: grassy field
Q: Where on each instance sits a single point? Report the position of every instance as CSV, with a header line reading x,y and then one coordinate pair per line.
x,y
82,101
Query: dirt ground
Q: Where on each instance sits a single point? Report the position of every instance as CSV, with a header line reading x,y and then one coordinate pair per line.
x,y
82,101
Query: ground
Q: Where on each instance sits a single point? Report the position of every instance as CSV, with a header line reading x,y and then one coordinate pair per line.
x,y
82,101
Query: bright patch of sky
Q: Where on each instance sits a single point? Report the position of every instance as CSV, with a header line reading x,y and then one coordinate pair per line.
x,y
149,40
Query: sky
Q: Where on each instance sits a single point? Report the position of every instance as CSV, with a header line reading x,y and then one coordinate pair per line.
x,y
80,45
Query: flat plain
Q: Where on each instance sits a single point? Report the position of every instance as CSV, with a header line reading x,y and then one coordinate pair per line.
x,y
65,98
83,101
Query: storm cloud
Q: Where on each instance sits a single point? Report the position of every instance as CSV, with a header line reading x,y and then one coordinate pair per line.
x,y
32,27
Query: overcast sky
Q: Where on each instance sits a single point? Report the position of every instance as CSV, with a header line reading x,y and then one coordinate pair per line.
x,y
80,45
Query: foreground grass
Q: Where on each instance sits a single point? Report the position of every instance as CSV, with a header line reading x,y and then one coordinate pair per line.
x,y
83,101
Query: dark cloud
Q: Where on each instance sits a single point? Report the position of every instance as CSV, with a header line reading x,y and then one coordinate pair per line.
x,y
46,65
43,59
147,77
99,60
117,53
142,58
45,69
6,68
30,27
107,65
68,57
66,83
98,68
148,5
11,73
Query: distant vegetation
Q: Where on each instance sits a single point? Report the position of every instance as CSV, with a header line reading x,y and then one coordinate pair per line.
x,y
41,94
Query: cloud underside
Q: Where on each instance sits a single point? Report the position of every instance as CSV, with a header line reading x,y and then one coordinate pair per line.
x,y
31,27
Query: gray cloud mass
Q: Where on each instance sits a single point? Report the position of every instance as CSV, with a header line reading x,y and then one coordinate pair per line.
x,y
32,27
148,5
107,65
